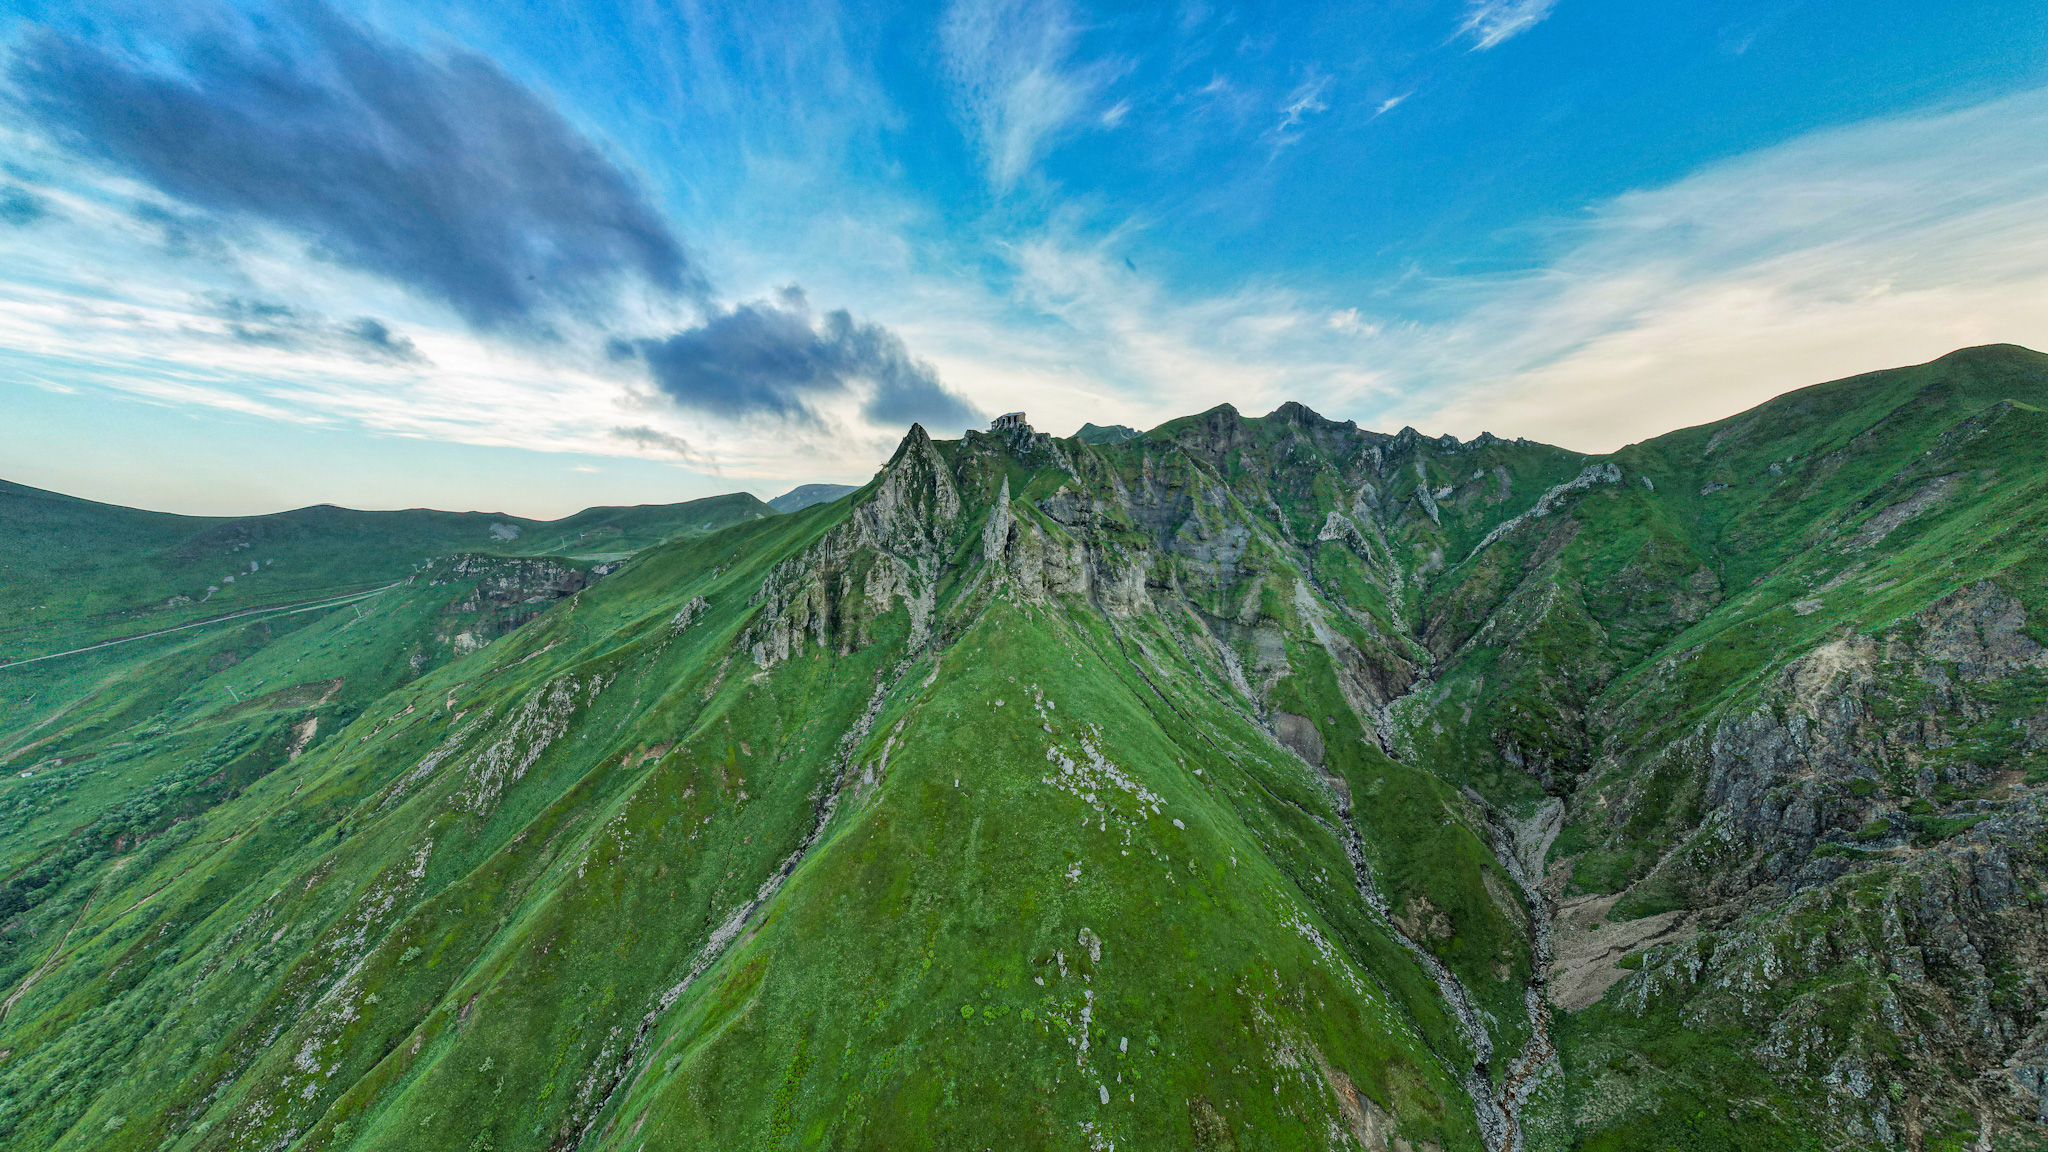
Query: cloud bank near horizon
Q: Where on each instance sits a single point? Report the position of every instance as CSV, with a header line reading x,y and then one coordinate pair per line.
x,y
1882,244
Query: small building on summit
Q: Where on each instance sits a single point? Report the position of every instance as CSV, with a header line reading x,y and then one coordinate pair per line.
x,y
1008,421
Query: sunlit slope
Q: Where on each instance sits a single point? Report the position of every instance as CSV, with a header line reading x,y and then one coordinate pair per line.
x,y
112,744
1834,776
346,815
1047,916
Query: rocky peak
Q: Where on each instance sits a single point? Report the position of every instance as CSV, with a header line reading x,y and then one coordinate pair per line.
x,y
1213,434
1296,414
1335,438
916,500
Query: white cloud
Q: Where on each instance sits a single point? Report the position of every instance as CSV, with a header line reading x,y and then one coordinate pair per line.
x,y
1882,244
1391,103
1015,87
1885,243
91,302
1351,323
1080,336
1306,100
1490,22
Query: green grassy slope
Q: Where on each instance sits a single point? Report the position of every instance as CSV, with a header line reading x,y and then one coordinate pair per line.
x,y
122,744
74,572
1737,669
143,737
1250,782
827,801
341,607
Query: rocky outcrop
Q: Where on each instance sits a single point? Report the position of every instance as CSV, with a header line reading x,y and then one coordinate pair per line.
x,y
1847,745
515,580
1877,985
888,549
1866,879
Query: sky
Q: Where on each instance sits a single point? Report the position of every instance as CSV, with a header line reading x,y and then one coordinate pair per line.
x,y
534,255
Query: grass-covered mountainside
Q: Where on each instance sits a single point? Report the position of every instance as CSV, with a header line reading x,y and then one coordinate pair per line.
x,y
76,572
340,608
1246,783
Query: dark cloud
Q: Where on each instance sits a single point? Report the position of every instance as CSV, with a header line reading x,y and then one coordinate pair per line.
x,y
442,174
772,358
274,325
21,207
184,233
379,340
656,439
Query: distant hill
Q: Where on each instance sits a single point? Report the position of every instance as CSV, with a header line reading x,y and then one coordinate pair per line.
x,y
803,496
77,571
1106,434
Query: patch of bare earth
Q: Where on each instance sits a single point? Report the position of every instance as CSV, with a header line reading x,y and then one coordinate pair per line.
x,y
1585,947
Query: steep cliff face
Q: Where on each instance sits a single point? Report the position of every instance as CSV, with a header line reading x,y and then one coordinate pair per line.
x,y
1245,783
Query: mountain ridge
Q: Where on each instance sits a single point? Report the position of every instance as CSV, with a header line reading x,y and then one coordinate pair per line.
x,y
804,495
1258,781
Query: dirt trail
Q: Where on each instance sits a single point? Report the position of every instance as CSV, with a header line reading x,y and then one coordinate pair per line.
x,y
56,954
273,610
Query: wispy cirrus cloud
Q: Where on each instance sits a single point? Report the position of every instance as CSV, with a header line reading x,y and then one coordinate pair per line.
x,y
1837,252
21,207
1304,101
1488,23
1078,334
276,325
1884,243
656,442
1015,84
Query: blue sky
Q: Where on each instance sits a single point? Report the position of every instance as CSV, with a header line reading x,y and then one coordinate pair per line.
x,y
529,256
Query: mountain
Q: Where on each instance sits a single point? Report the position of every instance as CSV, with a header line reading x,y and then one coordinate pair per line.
x,y
804,495
74,572
1111,434
310,616
1250,783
